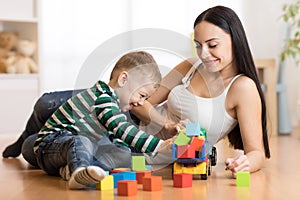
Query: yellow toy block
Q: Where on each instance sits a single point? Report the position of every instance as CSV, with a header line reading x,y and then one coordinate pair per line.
x,y
199,168
106,184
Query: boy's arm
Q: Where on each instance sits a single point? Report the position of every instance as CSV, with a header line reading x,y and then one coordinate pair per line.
x,y
116,122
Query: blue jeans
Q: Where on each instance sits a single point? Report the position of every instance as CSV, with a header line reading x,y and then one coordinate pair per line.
x,y
43,109
63,148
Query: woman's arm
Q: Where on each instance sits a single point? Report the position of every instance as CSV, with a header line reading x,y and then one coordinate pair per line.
x,y
245,99
146,112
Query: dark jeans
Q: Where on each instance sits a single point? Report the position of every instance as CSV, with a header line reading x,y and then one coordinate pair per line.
x,y
43,109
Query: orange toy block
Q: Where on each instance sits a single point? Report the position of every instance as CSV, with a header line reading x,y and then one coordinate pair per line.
x,y
186,151
152,183
197,143
127,188
141,174
182,180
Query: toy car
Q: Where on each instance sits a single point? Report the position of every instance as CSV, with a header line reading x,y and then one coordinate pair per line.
x,y
191,155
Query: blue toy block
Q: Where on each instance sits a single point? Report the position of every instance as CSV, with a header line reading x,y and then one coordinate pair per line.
x,y
129,175
118,177
148,167
193,129
202,154
174,152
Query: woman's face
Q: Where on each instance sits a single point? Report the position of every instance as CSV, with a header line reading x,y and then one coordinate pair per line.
x,y
214,46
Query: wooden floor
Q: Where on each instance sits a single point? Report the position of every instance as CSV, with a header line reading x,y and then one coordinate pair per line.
x,y
279,179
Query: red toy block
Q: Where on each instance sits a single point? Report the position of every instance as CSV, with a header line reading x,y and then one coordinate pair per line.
x,y
152,183
186,151
118,170
127,188
197,143
182,180
141,174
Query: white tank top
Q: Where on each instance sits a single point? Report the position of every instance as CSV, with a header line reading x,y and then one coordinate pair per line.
x,y
210,113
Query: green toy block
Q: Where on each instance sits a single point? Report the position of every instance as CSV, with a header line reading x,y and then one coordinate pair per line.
x,y
138,163
182,139
243,179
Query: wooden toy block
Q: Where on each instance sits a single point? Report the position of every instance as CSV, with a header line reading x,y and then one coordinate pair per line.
x,y
243,179
117,177
183,131
202,132
107,194
138,163
152,183
106,184
193,129
174,151
127,188
141,174
129,175
148,167
118,170
200,168
123,176
182,180
182,139
197,143
186,151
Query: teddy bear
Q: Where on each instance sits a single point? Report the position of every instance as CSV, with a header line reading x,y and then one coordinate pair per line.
x,y
8,44
22,62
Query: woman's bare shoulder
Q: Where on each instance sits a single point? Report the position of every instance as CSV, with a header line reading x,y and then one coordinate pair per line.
x,y
185,65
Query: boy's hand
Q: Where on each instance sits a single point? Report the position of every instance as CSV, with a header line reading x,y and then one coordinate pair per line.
x,y
166,146
240,163
171,128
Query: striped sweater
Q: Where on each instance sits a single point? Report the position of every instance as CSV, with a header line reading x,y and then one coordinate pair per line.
x,y
95,112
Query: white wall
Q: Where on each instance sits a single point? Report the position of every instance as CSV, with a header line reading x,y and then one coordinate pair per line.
x,y
266,32
72,29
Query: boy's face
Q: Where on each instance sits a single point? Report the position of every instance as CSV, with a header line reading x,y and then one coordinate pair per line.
x,y
134,93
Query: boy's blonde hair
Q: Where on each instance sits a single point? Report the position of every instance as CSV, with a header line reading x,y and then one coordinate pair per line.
x,y
142,62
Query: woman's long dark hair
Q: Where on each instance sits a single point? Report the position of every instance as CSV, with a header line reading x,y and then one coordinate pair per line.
x,y
226,19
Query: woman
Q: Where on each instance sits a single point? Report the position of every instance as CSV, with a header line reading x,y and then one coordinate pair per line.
x,y
223,93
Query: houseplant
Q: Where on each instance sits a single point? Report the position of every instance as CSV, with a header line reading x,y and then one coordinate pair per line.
x,y
291,16
291,48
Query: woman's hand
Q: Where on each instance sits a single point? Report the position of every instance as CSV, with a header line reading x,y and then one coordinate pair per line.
x,y
240,163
